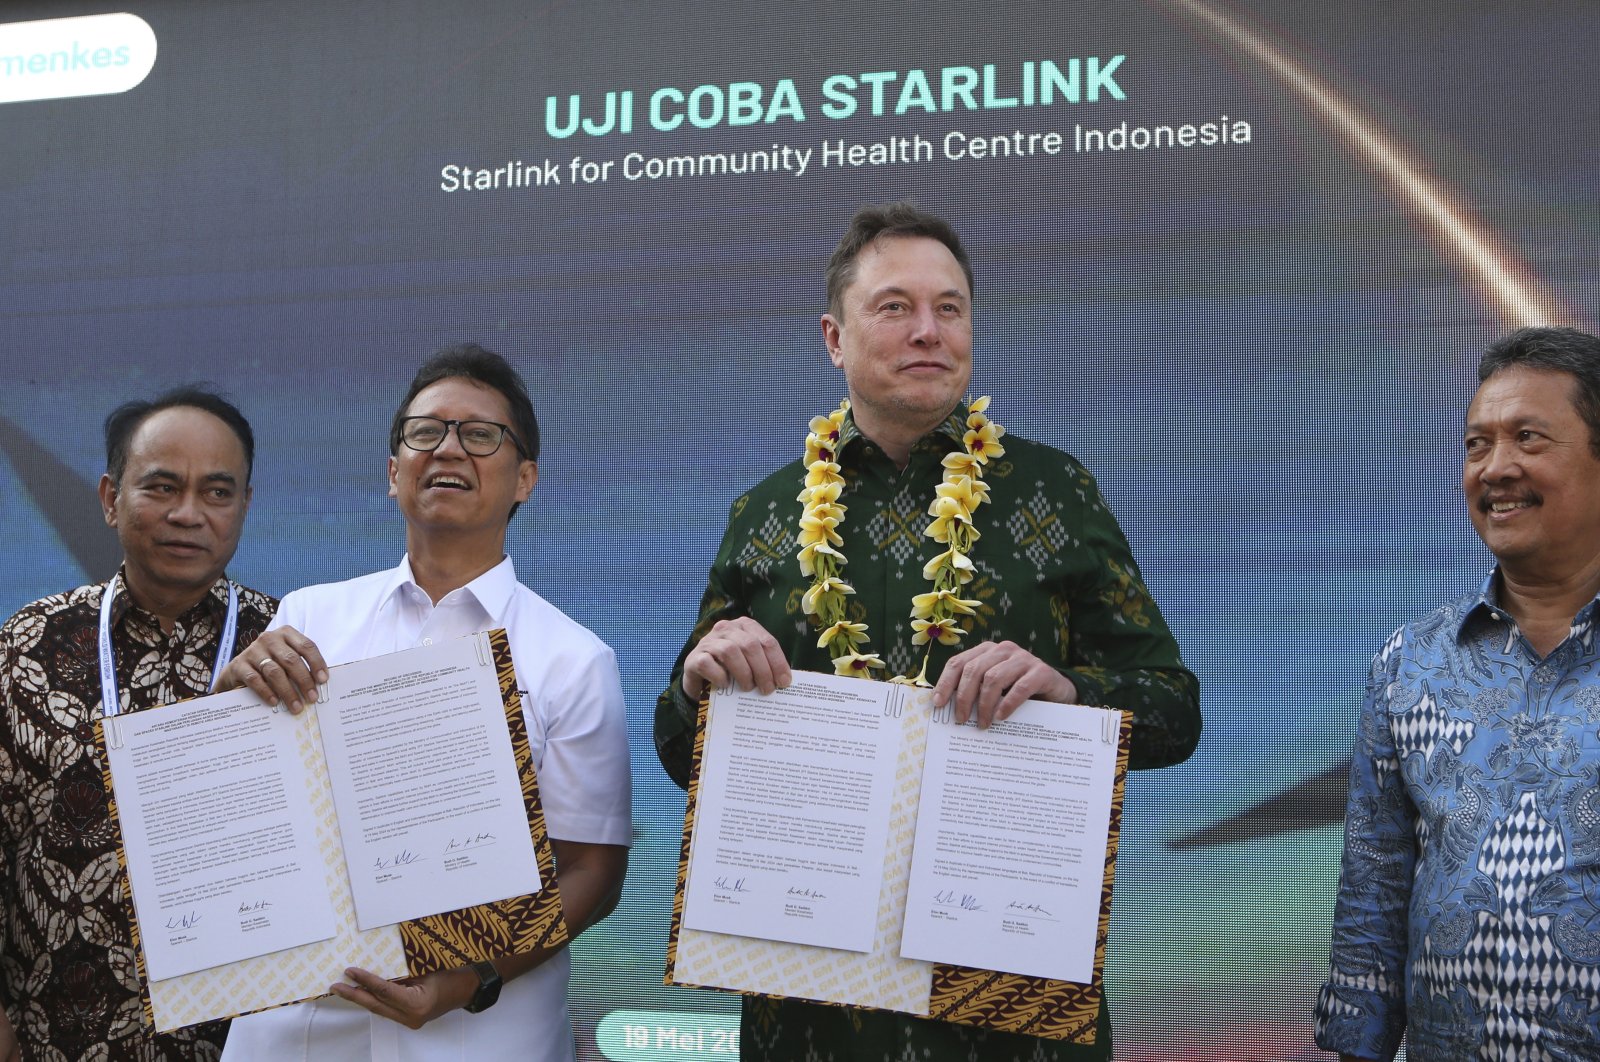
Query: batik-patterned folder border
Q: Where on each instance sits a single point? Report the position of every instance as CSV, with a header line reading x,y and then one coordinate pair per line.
x,y
1037,1006
424,945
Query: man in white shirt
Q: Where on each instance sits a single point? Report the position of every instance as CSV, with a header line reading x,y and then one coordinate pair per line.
x,y
464,447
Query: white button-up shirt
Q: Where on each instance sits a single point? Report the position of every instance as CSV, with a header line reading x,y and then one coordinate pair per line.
x,y
572,700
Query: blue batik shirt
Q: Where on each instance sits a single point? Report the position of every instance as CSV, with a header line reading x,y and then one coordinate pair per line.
x,y
1469,902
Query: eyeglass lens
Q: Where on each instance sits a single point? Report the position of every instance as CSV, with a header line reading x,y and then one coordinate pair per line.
x,y
478,437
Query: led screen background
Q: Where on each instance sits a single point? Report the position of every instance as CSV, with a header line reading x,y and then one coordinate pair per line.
x,y
1262,348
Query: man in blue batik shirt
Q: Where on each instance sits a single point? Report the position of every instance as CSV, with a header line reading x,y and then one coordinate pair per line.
x,y
1469,902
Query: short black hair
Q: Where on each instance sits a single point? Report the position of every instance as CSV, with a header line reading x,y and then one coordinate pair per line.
x,y
472,362
890,221
1550,349
126,418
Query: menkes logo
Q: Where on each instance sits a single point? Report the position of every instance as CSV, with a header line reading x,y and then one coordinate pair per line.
x,y
89,55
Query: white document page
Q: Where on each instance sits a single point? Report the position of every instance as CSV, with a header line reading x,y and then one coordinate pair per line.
x,y
221,846
793,802
425,783
299,973
1012,830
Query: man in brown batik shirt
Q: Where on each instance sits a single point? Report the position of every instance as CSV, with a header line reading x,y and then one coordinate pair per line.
x,y
176,489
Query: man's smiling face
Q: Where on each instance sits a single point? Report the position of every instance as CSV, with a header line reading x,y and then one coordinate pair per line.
x,y
180,507
449,489
1530,476
904,340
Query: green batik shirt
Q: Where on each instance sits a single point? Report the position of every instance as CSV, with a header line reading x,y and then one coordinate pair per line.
x,y
1053,573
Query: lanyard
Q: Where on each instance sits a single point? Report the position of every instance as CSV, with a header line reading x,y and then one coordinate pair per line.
x,y
110,700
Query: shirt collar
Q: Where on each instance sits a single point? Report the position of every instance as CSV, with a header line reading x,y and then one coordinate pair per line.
x,y
1486,606
946,436
1482,606
213,604
493,590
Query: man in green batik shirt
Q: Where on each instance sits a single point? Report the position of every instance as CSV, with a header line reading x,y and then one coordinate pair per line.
x,y
1061,612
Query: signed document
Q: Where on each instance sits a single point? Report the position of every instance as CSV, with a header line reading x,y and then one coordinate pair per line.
x,y
429,804
395,826
1011,841
846,842
222,852
789,844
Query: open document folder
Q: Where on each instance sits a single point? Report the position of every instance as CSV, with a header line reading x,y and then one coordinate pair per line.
x,y
846,842
395,825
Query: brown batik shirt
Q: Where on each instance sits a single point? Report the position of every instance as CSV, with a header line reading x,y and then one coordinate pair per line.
x,y
68,976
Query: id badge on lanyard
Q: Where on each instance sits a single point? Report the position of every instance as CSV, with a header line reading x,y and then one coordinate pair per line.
x,y
110,699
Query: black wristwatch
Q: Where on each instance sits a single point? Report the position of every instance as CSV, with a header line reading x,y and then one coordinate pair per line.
x,y
488,992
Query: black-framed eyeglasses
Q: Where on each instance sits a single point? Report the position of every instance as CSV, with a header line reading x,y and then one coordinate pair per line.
x,y
480,438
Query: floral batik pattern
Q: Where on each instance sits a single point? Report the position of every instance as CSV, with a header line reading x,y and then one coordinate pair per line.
x,y
1469,905
67,966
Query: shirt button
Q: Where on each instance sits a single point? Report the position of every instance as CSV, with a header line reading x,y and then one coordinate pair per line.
x,y
427,641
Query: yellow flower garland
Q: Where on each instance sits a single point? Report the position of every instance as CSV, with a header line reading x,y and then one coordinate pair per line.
x,y
934,614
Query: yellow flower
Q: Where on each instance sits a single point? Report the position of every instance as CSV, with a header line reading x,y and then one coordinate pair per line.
x,y
833,514
823,503
818,529
949,502
944,630
967,491
962,464
817,504
845,633
822,494
820,472
978,405
948,514
808,557
984,442
824,588
958,562
827,428
954,502
859,665
923,606
823,442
